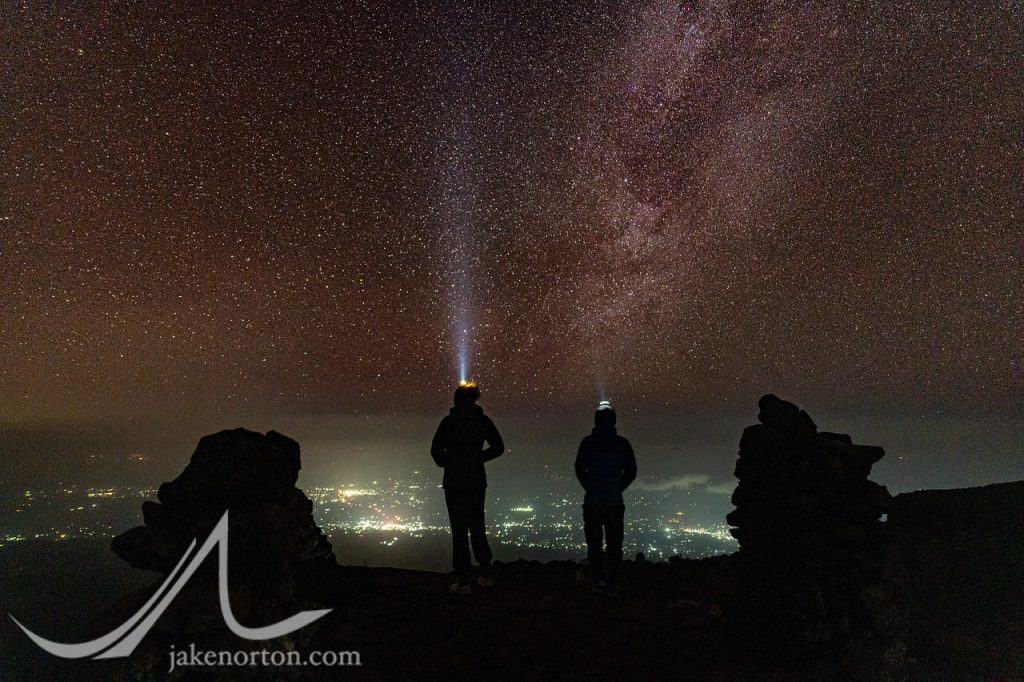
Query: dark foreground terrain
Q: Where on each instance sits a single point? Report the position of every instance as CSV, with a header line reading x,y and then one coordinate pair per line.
x,y
538,622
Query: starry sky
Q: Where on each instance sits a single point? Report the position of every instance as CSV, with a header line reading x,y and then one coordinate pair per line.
x,y
220,213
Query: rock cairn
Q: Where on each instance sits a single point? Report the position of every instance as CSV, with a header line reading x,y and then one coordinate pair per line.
x,y
816,573
279,561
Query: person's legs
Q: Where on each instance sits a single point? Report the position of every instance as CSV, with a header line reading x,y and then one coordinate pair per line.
x,y
459,522
478,530
614,528
593,532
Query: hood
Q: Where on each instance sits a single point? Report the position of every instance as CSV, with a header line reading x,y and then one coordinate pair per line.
x,y
604,431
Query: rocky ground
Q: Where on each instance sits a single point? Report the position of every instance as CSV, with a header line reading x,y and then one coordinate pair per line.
x,y
540,621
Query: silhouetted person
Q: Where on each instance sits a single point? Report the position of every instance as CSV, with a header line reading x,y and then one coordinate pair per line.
x,y
605,466
458,446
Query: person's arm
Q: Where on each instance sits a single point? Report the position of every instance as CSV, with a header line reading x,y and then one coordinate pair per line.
x,y
629,470
580,470
437,449
495,445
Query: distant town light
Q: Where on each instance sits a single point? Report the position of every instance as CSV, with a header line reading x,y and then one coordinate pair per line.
x,y
354,492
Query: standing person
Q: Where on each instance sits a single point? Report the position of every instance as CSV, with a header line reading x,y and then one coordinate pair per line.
x,y
458,447
605,466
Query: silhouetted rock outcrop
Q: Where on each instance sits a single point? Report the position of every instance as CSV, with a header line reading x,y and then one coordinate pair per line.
x,y
962,556
816,574
279,561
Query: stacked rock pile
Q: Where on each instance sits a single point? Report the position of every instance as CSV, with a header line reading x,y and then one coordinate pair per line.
x,y
816,572
279,560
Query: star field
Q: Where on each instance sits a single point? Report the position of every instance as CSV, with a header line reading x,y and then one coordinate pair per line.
x,y
207,207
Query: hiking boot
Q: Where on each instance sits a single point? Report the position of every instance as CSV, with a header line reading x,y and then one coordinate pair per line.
x,y
460,588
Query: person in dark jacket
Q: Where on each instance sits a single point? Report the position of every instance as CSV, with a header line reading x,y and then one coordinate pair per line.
x,y
458,447
605,466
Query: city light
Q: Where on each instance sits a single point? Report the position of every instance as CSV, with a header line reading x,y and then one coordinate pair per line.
x,y
387,510
354,492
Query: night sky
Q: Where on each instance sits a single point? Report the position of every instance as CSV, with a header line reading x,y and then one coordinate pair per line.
x,y
215,214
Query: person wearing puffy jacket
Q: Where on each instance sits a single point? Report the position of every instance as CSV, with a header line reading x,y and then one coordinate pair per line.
x,y
605,466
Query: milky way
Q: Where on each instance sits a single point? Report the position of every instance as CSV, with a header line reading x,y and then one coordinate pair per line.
x,y
216,208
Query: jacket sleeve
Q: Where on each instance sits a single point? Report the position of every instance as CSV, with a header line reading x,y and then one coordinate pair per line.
x,y
580,470
437,447
629,465
495,445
